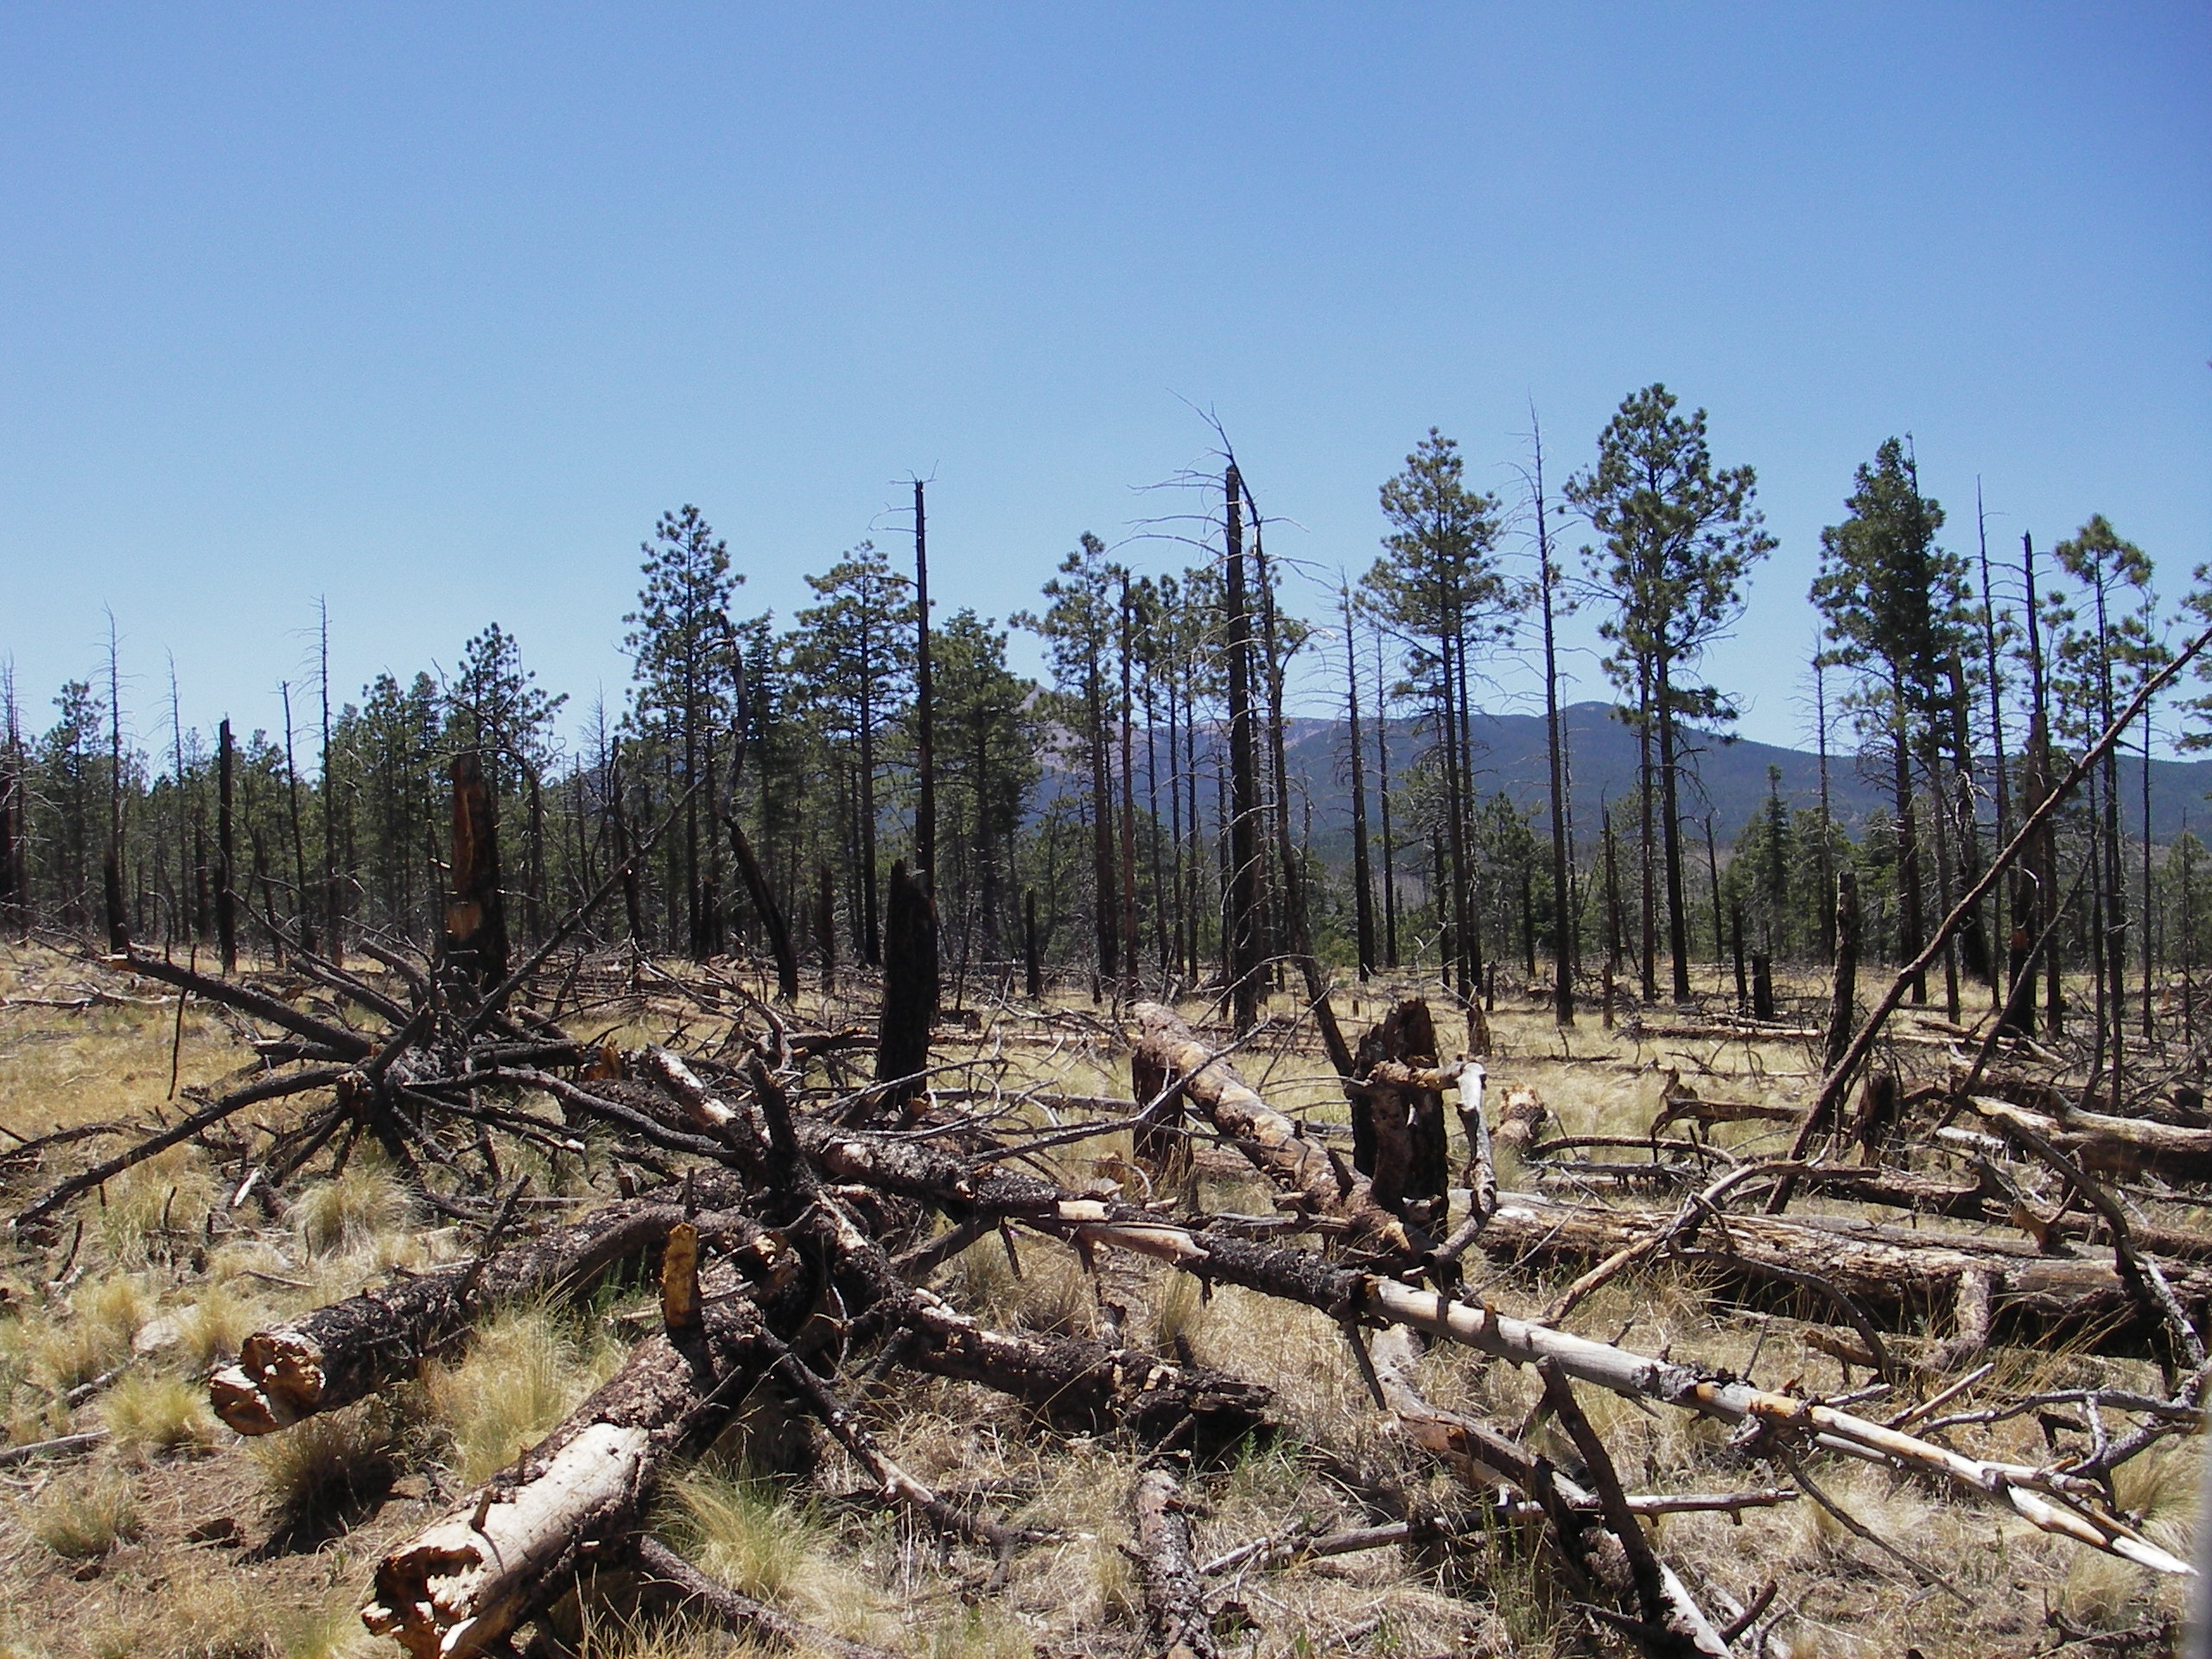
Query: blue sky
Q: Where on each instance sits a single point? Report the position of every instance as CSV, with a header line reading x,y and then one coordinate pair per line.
x,y
431,310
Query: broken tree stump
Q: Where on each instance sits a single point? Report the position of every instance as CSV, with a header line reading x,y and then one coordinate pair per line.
x,y
1398,1137
1274,1144
476,919
902,1050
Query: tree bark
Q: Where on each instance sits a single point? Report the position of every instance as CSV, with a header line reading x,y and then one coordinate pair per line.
x,y
476,922
909,982
1277,1146
352,1349
468,1578
1398,1135
765,905
1176,1624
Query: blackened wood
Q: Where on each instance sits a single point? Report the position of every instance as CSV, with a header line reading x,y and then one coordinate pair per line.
x,y
118,927
902,1047
1243,953
1398,1135
1176,1623
924,710
353,1348
476,922
1295,1162
740,1612
1846,990
765,905
1092,1387
270,1088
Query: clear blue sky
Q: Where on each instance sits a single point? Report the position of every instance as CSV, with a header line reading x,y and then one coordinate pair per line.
x,y
432,309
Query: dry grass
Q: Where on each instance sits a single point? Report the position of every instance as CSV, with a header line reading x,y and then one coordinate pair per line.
x,y
524,1369
79,1519
165,1262
152,1413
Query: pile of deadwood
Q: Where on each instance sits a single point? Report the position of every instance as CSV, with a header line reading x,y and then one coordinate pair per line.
x,y
794,1201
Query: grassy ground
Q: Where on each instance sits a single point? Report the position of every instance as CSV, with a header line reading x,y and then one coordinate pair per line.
x,y
172,1536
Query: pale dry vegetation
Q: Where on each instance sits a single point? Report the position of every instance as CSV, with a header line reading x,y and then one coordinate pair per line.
x,y
166,1535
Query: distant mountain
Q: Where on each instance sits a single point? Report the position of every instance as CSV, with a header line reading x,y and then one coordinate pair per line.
x,y
1725,777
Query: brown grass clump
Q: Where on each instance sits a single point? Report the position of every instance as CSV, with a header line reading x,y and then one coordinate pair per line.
x,y
524,1371
80,1519
152,1412
352,1210
330,1466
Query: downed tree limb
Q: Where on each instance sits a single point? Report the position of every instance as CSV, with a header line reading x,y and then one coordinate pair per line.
x,y
2051,1501
740,1612
1175,1621
1275,1145
1824,1105
253,1094
351,1348
2137,1271
2048,1501
1481,1455
2109,1145
246,1000
1089,1387
470,1577
1895,1278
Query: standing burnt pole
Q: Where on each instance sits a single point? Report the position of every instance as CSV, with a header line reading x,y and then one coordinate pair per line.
x,y
902,1048
1243,777
924,756
227,898
476,921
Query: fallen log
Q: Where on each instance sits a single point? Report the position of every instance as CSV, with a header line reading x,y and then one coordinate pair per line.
x,y
1482,1456
2109,1145
1091,1388
351,1348
1277,1146
253,1094
2052,1502
1521,1118
510,1549
1176,1625
1897,1280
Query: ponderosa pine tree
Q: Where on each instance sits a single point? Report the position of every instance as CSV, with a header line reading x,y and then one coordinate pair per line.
x,y
683,698
2109,631
856,652
1439,591
1896,610
987,765
1080,626
1680,538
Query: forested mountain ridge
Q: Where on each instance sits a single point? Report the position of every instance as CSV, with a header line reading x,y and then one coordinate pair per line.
x,y
1730,773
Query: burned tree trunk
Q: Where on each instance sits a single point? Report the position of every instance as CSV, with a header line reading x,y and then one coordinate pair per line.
x,y
476,920
765,905
349,1349
909,980
1398,1136
1275,1145
1841,1011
